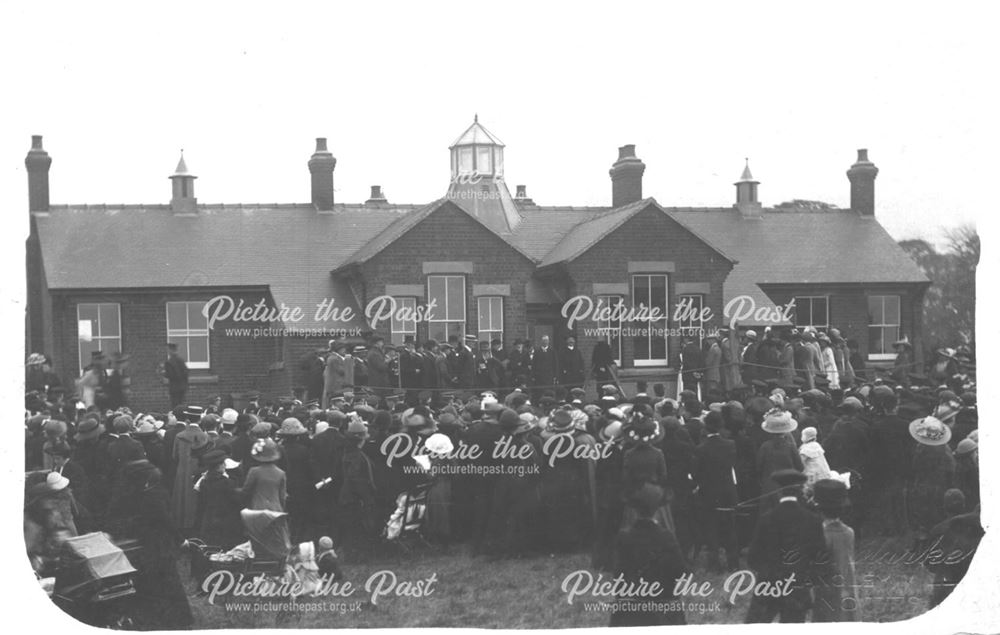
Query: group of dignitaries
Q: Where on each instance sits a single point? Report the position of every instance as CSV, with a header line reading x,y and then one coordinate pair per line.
x,y
464,363
652,487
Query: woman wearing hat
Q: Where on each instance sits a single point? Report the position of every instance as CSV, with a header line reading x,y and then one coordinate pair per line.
x,y
160,598
300,477
643,463
219,523
357,493
187,444
264,488
777,452
50,511
933,472
63,463
567,484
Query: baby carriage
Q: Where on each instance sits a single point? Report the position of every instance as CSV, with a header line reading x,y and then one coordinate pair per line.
x,y
405,525
93,580
265,553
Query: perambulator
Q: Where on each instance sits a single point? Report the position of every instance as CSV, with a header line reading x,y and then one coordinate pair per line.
x,y
93,580
405,525
265,553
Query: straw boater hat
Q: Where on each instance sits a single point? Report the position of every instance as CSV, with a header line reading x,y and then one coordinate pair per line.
x,y
265,451
779,422
930,431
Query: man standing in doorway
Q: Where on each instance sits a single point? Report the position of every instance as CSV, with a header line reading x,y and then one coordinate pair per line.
x,y
573,371
176,372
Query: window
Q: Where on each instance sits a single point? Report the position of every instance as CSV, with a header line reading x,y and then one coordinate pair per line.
x,y
490,318
812,311
464,160
611,329
691,323
187,327
483,160
649,292
447,294
99,328
883,326
399,329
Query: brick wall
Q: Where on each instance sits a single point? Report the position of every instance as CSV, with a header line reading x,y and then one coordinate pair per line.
x,y
848,307
650,235
238,362
449,234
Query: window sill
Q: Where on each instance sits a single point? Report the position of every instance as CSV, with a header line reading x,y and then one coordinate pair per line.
x,y
198,378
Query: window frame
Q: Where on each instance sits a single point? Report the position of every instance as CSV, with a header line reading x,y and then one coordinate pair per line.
x,y
608,328
694,327
463,168
101,338
811,298
189,333
432,323
497,333
883,356
399,302
652,362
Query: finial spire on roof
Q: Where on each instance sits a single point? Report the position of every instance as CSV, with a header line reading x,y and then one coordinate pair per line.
x,y
475,118
182,168
746,171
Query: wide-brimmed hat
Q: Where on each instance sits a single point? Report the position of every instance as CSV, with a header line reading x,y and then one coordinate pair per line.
x,y
229,417
512,423
947,410
291,427
265,451
966,446
35,359
930,431
611,431
88,429
440,444
645,429
145,428
54,428
54,482
560,421
778,422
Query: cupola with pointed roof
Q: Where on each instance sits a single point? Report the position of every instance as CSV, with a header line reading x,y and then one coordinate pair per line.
x,y
183,200
746,194
476,153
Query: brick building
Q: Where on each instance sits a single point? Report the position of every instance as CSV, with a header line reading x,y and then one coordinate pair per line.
x,y
476,261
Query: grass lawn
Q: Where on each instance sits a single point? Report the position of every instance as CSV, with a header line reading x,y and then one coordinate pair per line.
x,y
473,591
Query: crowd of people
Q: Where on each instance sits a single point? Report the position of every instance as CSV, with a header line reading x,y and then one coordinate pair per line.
x,y
731,472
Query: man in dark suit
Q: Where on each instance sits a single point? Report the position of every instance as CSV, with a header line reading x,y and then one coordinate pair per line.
x,y
313,366
462,362
489,371
646,552
428,363
326,453
518,365
176,372
789,540
378,369
544,367
692,364
411,365
714,477
572,372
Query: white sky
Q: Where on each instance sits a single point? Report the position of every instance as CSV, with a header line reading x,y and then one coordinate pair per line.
x,y
245,89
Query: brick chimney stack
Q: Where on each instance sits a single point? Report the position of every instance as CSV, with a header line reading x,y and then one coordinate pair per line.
x,y
626,177
321,166
377,197
38,162
862,176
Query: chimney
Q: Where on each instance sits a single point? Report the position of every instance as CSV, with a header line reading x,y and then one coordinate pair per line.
x,y
321,166
377,198
37,162
862,176
746,194
182,183
626,177
522,196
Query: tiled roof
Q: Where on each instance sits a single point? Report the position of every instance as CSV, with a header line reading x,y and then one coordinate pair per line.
x,y
289,248
796,246
588,233
292,249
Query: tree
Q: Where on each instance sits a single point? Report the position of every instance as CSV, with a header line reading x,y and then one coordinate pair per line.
x,y
950,301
